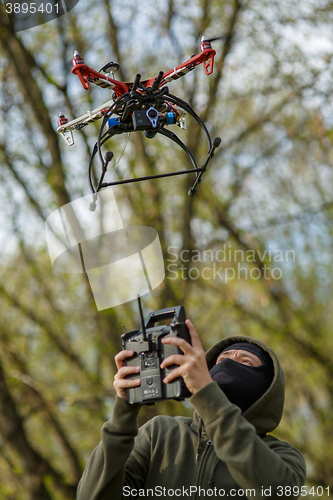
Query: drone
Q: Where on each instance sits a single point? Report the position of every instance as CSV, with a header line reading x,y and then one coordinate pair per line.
x,y
146,106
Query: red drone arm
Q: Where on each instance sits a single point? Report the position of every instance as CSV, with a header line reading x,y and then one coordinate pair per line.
x,y
206,57
209,63
87,74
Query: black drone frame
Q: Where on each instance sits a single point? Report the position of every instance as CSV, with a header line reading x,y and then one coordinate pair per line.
x,y
150,100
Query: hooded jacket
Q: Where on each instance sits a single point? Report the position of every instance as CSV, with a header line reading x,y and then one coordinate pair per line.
x,y
220,452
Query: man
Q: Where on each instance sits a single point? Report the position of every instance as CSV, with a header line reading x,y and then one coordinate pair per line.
x,y
238,393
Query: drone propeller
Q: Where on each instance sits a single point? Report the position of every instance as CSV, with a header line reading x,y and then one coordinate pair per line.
x,y
110,67
222,37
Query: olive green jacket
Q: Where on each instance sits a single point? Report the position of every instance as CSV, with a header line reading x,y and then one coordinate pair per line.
x,y
220,452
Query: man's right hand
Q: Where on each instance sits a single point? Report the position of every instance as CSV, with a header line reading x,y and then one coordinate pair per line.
x,y
121,383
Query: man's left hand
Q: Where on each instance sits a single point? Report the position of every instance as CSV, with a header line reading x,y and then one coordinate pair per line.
x,y
192,365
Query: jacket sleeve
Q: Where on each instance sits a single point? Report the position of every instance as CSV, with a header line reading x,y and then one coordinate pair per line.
x,y
253,462
104,474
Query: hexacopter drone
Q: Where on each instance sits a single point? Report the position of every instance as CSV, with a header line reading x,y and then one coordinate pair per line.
x,y
139,106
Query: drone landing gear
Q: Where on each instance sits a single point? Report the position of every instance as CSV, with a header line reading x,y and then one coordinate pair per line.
x,y
149,110
216,143
108,158
197,170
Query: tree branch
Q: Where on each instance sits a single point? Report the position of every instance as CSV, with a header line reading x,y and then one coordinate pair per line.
x,y
34,466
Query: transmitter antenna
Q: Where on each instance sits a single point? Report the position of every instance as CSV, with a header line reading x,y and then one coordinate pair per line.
x,y
144,334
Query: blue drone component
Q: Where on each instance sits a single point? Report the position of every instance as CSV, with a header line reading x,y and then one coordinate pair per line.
x,y
112,122
150,134
172,118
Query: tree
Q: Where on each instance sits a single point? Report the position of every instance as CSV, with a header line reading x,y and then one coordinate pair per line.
x,y
250,253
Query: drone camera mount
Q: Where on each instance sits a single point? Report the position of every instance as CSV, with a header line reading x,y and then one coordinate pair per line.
x,y
141,120
152,115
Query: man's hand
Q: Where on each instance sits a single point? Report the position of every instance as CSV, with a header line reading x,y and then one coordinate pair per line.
x,y
120,383
192,365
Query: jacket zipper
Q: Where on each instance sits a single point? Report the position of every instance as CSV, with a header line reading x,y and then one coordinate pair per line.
x,y
204,460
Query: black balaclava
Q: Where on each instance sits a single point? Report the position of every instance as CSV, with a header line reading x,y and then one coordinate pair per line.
x,y
244,385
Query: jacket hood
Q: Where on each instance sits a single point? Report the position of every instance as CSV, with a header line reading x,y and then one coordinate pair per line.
x,y
265,414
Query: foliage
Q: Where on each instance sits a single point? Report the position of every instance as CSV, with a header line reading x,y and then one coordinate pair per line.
x,y
265,206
